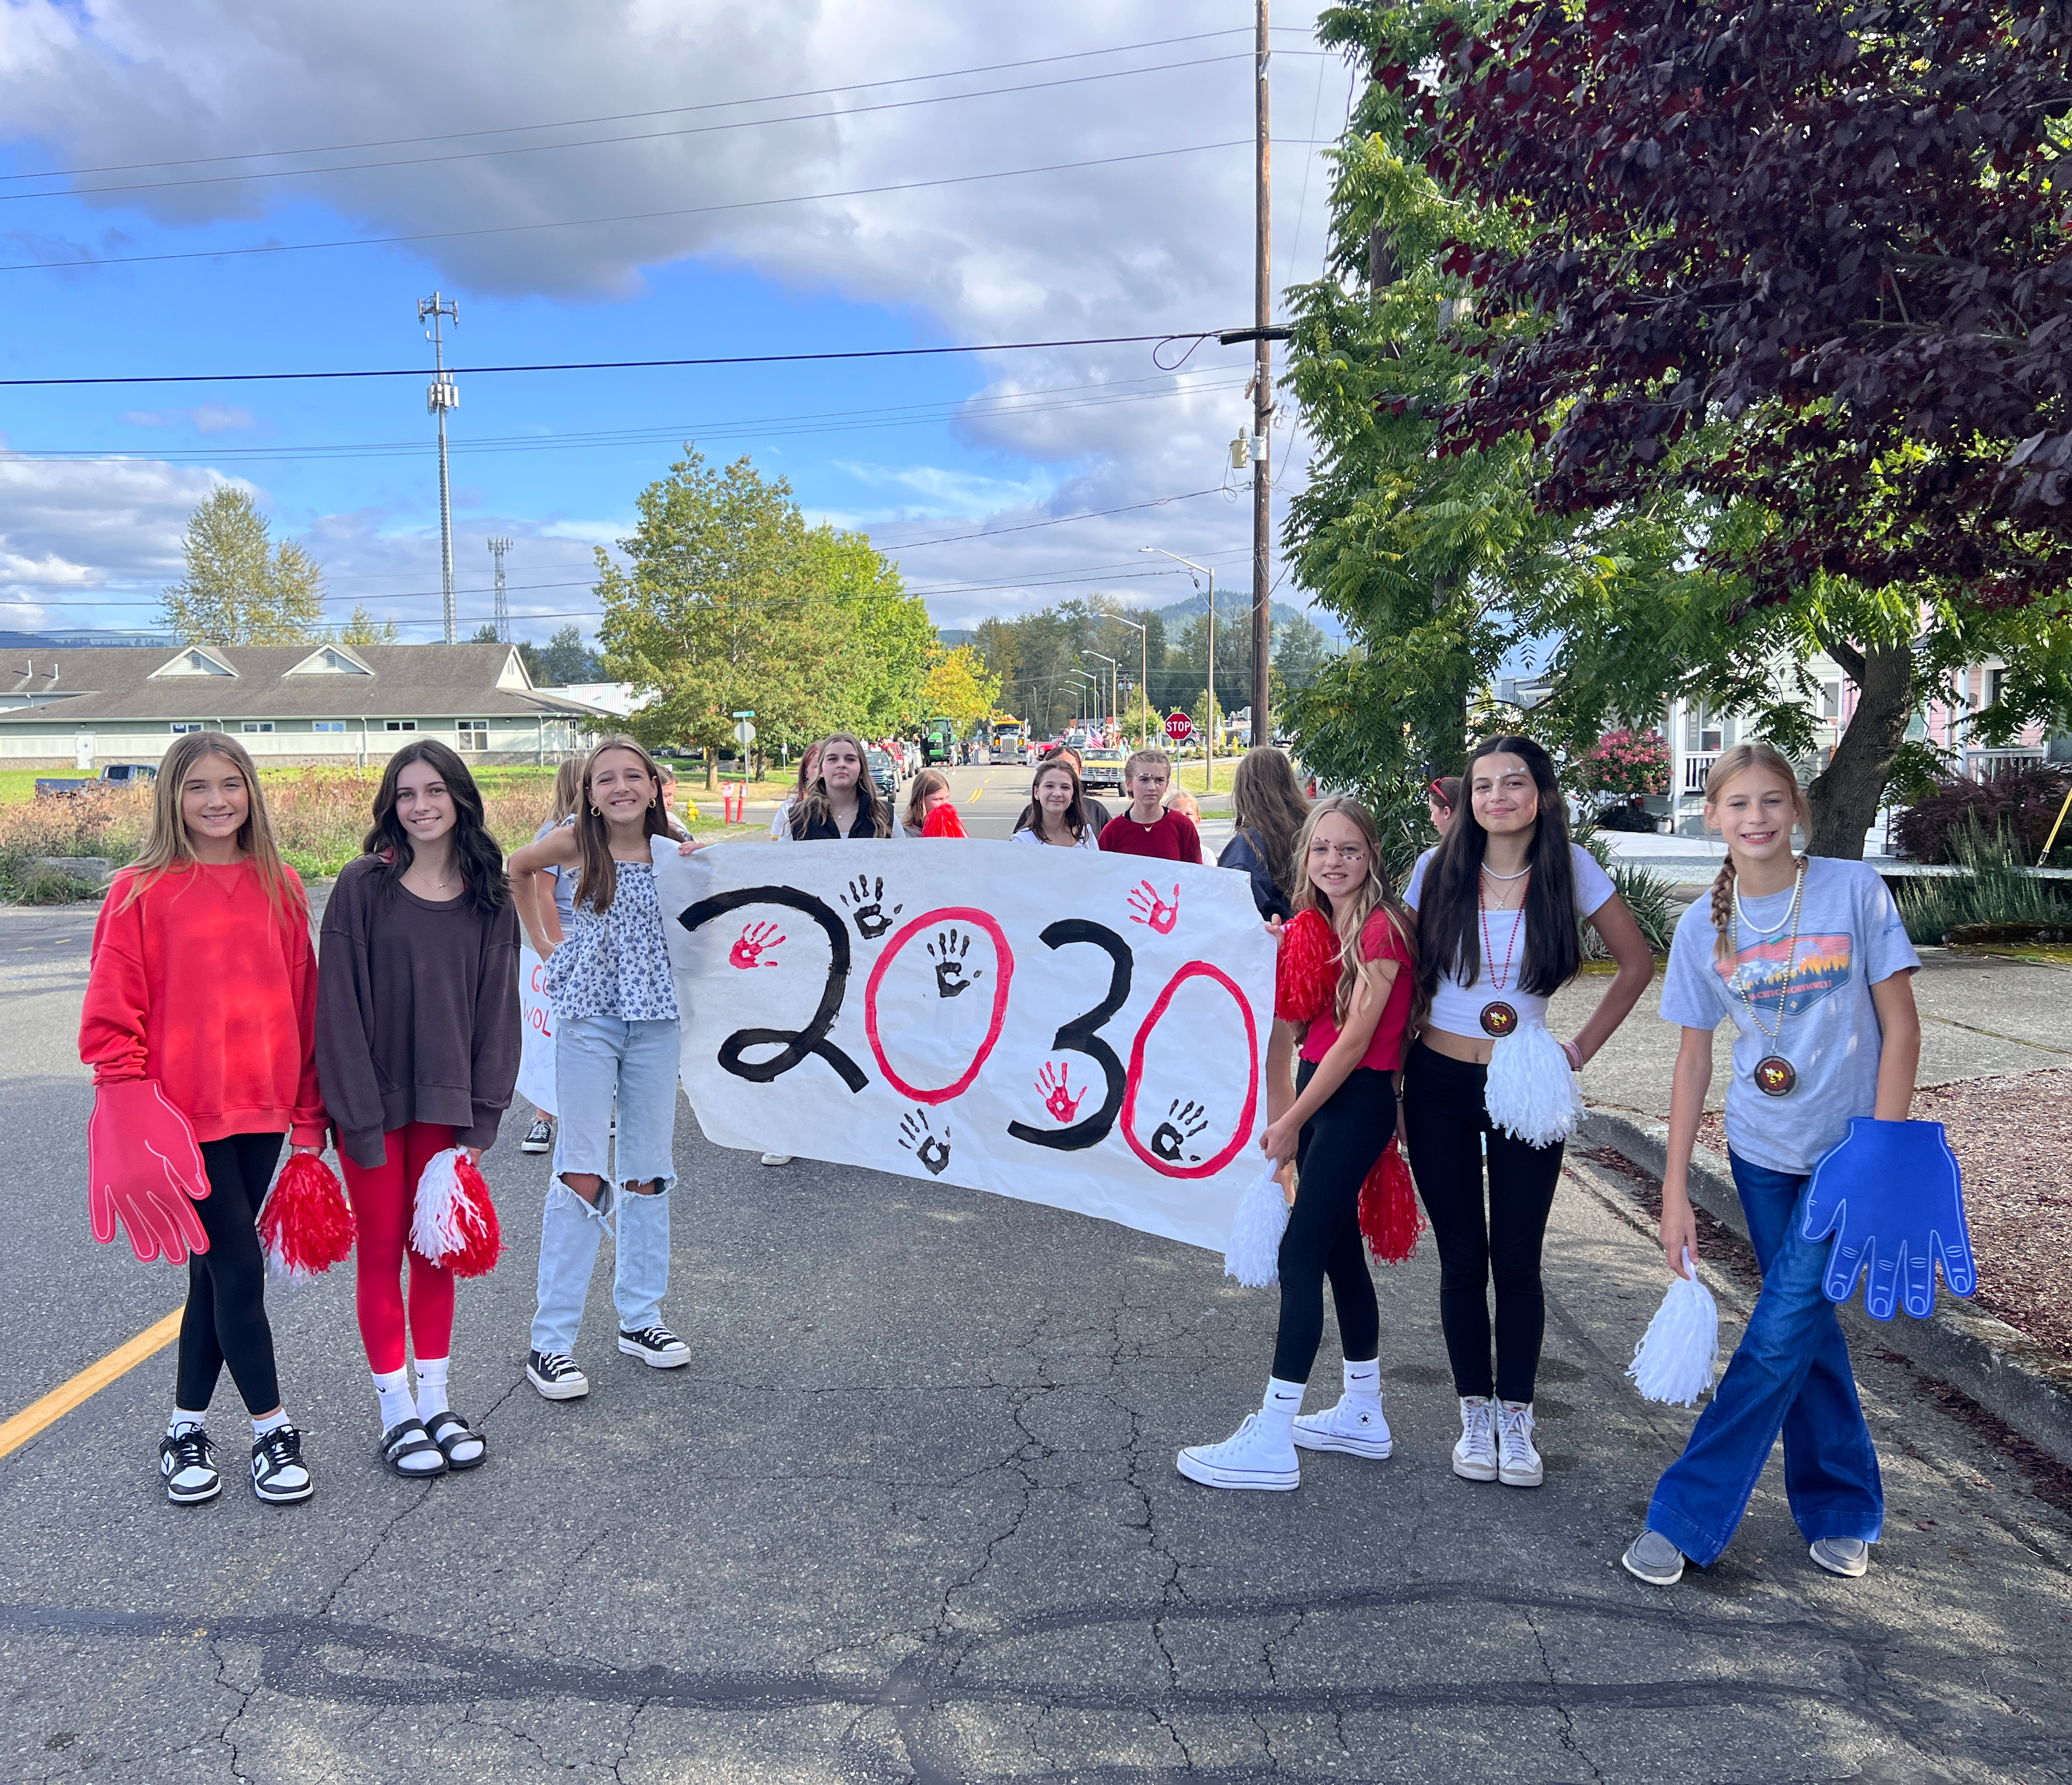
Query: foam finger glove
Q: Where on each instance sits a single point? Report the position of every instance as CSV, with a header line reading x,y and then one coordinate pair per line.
x,y
1253,1256
1891,1195
144,1171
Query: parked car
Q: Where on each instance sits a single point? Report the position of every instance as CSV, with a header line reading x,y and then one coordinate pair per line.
x,y
1104,769
112,775
884,772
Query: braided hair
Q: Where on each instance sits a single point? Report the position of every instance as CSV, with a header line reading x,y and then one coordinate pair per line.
x,y
1733,764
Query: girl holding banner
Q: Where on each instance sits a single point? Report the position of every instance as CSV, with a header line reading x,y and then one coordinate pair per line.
x,y
417,1040
1341,1117
1498,905
616,1049
202,990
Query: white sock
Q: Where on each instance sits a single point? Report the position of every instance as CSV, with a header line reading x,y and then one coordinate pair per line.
x,y
182,1421
1283,1402
1363,1380
393,1391
270,1422
431,1386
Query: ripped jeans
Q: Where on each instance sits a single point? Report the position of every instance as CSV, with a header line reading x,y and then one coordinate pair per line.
x,y
601,1063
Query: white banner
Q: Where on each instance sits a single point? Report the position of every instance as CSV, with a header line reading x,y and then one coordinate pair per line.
x,y
536,1052
1084,1030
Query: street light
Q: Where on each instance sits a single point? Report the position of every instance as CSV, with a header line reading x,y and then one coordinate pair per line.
x,y
1087,679
1209,739
1144,670
1115,684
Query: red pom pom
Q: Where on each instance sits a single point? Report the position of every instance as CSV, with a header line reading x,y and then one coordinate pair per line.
x,y
1390,1219
944,821
306,1226
1305,980
481,1234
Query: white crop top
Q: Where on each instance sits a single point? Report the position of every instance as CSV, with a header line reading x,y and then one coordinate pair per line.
x,y
1457,1008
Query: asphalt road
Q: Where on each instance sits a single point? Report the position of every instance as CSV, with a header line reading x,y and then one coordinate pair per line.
x,y
910,1513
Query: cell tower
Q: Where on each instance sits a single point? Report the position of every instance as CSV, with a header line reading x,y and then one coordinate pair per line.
x,y
442,396
497,549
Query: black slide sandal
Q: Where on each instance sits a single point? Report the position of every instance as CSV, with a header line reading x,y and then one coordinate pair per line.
x,y
448,1429
409,1438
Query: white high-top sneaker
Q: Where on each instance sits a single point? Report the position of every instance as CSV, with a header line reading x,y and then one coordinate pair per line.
x,y
1356,1426
1474,1456
1259,1454
1518,1463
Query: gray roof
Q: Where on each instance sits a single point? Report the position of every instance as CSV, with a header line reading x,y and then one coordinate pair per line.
x,y
404,681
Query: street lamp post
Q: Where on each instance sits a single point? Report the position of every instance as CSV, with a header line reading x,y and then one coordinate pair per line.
x,y
1115,684
1088,680
1144,668
1209,737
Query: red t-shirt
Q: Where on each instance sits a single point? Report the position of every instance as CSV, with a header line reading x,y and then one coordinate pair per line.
x,y
1379,941
1174,838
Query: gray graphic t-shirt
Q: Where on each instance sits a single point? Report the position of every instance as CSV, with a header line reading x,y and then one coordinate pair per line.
x,y
1850,937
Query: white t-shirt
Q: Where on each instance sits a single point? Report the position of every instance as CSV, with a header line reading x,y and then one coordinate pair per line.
x,y
1087,839
1457,1008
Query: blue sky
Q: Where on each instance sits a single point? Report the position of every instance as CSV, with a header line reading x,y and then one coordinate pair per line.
x,y
909,451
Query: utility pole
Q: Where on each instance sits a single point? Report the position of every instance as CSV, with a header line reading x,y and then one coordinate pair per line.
x,y
440,397
497,549
1262,402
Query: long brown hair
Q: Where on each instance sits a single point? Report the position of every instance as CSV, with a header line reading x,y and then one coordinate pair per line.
x,y
1268,801
816,804
568,788
475,852
928,781
169,846
1449,905
597,876
1349,917
1738,761
1076,819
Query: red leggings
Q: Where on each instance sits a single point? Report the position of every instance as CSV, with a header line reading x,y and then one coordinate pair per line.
x,y
383,1197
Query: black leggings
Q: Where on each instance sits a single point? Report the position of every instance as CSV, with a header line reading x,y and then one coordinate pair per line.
x,y
225,1322
1445,1136
1337,1149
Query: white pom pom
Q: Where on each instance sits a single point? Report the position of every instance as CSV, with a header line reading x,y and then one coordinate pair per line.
x,y
1674,1361
1254,1254
435,1229
1530,1094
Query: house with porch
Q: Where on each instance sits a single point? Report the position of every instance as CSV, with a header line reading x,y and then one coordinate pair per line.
x,y
351,705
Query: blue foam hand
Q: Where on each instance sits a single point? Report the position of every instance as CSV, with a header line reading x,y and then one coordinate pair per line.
x,y
1893,1198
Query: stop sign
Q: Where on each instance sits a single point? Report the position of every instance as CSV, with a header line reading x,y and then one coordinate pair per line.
x,y
1179,727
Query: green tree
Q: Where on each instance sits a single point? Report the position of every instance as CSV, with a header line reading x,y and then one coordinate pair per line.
x,y
959,688
881,640
564,661
364,628
240,588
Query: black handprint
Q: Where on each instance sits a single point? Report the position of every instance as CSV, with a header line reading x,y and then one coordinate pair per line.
x,y
866,902
931,1149
1184,1122
948,950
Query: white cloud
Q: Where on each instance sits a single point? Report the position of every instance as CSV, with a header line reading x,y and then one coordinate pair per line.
x,y
206,418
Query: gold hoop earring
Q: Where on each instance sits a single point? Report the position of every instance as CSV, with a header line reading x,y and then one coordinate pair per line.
x,y
596,812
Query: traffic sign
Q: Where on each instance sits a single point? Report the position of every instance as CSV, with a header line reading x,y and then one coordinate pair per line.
x,y
746,733
1179,727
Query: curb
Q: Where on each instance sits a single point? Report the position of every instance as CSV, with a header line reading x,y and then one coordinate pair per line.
x,y
2005,1372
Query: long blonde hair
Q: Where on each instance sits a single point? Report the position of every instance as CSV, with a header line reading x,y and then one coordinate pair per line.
x,y
1732,762
568,788
1350,917
169,847
596,876
816,805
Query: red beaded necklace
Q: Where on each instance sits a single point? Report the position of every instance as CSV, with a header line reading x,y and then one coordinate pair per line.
x,y
1499,980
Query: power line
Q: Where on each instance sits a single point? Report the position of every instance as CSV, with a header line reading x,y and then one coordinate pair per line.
x,y
626,117
593,142
631,217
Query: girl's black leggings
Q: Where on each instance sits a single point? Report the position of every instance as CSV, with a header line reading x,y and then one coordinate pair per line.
x,y
1444,1130
225,1322
1337,1149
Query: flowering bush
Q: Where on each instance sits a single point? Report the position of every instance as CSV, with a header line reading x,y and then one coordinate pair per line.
x,y
1625,765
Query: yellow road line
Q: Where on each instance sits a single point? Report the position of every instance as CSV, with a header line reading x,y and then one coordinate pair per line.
x,y
90,1381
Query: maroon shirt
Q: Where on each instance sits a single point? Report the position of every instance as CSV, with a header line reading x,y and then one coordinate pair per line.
x,y
1173,838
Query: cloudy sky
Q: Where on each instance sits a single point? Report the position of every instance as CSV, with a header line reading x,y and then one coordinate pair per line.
x,y
194,187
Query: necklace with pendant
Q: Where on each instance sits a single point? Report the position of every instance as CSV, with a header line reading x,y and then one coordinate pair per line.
x,y
1775,1076
1498,1018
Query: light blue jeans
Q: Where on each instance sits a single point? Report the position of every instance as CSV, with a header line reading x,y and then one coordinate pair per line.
x,y
601,1063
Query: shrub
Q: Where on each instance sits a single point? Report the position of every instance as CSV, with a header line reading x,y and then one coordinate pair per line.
x,y
1626,818
1994,892
2021,807
1647,896
1628,765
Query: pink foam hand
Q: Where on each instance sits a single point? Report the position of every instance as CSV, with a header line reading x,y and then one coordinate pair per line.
x,y
144,1170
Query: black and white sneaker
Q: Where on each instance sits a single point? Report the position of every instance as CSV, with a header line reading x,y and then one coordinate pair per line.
x,y
186,1465
539,1137
656,1347
555,1375
278,1473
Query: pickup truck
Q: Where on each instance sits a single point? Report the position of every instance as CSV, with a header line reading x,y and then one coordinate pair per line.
x,y
112,775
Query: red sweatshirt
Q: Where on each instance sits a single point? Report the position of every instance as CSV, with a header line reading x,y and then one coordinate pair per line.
x,y
200,985
1173,838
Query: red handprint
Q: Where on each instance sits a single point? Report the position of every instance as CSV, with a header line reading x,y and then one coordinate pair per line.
x,y
754,939
1058,1096
1146,907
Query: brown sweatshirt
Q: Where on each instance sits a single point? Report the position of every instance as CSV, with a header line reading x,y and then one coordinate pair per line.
x,y
416,1013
